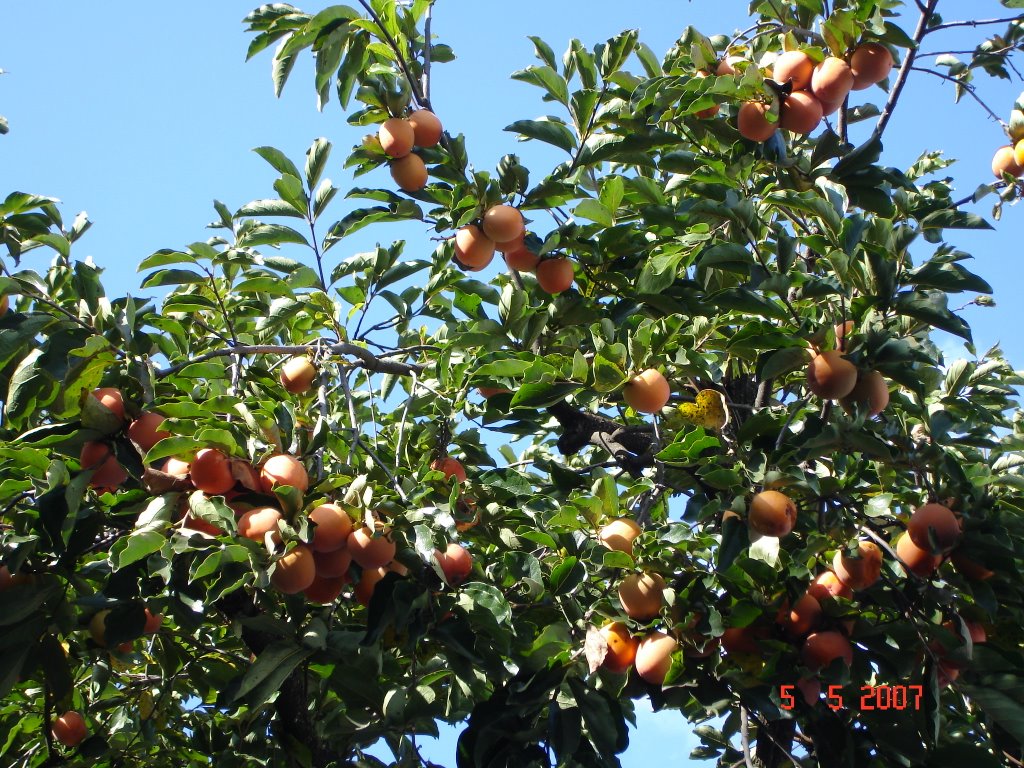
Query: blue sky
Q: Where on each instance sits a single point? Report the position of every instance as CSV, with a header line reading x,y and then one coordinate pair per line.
x,y
142,113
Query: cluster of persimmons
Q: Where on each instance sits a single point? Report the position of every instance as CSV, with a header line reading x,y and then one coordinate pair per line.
x,y
815,88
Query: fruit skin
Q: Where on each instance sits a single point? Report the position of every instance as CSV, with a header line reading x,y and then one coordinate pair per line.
x,y
297,375
153,622
772,513
333,526
503,223
522,260
281,469
810,687
830,108
801,617
919,561
706,114
472,247
555,275
176,467
324,589
726,65
409,173
1018,157
369,551
862,572
740,641
1004,162
801,113
654,656
832,80
871,392
622,647
822,648
871,63
70,729
796,66
257,523
455,562
451,468
333,565
970,568
108,473
112,399
367,583
396,137
828,584
647,392
294,571
145,431
426,128
830,375
211,473
618,535
642,595
940,519
752,123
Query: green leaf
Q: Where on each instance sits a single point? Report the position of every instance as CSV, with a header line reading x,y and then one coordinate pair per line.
x,y
135,547
595,211
547,78
278,161
272,667
550,131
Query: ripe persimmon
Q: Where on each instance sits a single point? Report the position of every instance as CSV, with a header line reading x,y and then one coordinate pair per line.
x,y
822,648
794,66
396,137
145,431
153,622
297,374
832,80
801,112
940,520
654,656
503,223
647,392
859,572
409,173
294,571
618,535
522,259
919,561
642,595
450,467
333,526
368,581
830,375
256,523
333,564
827,584
752,123
69,729
455,562
211,472
870,393
369,551
709,112
970,568
324,589
472,247
426,128
772,513
107,472
281,469
176,467
871,63
1004,161
801,617
554,275
112,399
622,647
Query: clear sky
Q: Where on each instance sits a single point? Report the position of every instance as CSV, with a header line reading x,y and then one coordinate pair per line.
x,y
141,113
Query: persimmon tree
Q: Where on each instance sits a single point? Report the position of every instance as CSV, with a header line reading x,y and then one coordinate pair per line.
x,y
693,442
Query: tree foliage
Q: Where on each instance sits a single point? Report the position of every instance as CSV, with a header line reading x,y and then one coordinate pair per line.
x,y
723,263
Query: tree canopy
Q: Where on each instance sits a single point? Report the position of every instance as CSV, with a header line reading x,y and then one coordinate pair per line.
x,y
693,442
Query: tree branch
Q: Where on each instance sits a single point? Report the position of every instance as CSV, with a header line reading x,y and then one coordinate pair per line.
x,y
630,446
971,23
901,79
971,91
365,358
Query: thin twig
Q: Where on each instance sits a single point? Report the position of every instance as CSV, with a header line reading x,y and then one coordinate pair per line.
x,y
365,358
426,53
970,23
971,91
745,737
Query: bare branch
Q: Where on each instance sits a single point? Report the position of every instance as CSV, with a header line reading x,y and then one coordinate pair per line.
x,y
971,91
908,62
971,23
